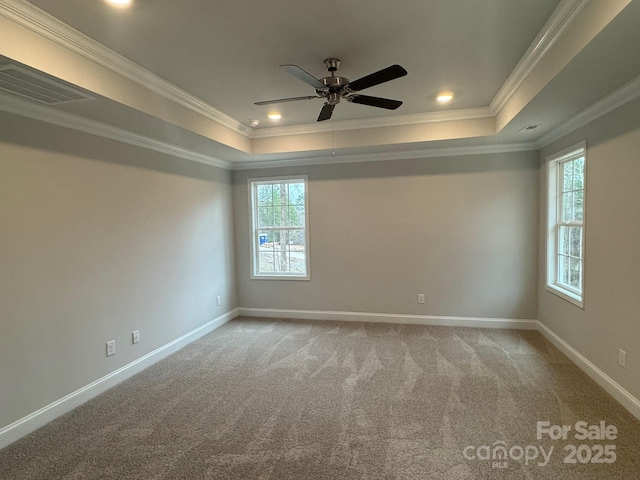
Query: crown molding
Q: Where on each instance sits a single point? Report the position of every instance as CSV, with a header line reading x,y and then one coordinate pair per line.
x,y
375,122
76,122
68,120
621,96
625,94
48,26
40,22
383,156
563,16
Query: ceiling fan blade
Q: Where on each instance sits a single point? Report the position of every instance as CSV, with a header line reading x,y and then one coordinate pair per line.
x,y
381,76
282,100
303,75
375,101
325,113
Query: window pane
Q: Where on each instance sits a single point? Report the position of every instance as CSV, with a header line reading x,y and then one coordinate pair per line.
x,y
297,251
279,191
576,242
574,274
567,207
296,193
297,239
265,216
563,270
265,194
265,261
578,173
564,241
578,208
281,251
291,216
277,217
265,240
567,176
298,260
296,215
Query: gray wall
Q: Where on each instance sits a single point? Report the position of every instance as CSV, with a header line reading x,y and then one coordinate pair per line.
x,y
611,316
97,239
462,230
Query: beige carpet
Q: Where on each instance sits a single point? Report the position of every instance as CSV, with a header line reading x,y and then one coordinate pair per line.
x,y
264,399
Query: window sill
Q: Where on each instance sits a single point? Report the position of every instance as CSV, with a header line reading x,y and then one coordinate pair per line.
x,y
566,295
280,277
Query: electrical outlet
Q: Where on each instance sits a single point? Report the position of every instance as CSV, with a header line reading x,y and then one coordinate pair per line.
x,y
111,348
421,298
622,358
218,300
135,336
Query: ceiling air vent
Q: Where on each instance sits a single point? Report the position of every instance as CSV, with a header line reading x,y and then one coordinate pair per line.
x,y
26,83
528,128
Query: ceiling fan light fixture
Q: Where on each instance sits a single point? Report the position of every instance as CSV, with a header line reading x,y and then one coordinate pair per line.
x,y
444,97
274,116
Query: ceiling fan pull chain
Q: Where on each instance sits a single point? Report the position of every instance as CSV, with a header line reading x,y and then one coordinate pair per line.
x,y
333,141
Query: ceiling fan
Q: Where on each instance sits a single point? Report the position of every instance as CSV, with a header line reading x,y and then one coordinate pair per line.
x,y
335,88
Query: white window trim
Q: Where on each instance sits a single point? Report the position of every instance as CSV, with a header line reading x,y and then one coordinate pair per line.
x,y
253,216
552,163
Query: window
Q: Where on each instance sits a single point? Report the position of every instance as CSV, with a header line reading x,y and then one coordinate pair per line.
x,y
565,233
279,222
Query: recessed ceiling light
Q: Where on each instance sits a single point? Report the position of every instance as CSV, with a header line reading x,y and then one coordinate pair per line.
x,y
444,97
274,116
120,3
253,123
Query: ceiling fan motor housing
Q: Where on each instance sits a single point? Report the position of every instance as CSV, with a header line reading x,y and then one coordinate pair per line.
x,y
336,88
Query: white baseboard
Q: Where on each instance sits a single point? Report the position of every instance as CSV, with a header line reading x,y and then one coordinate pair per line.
x,y
32,422
625,398
39,418
443,321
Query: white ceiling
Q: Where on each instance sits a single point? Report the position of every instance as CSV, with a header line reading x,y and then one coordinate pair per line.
x,y
509,62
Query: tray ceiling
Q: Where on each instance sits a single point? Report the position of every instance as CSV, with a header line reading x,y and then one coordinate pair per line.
x,y
196,68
